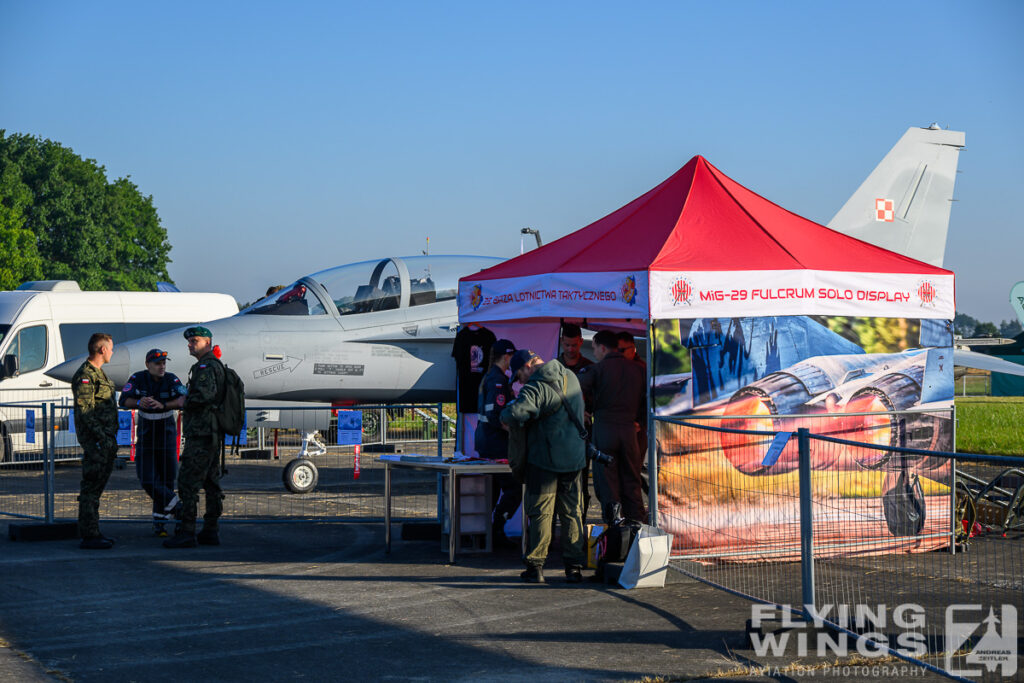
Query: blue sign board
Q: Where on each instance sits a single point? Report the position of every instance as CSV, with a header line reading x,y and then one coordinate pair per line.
x,y
124,428
30,426
350,427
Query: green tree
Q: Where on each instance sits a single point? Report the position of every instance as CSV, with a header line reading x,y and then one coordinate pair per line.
x,y
1009,328
19,257
104,235
964,325
986,330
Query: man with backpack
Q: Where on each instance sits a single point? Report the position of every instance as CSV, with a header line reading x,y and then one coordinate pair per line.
x,y
200,461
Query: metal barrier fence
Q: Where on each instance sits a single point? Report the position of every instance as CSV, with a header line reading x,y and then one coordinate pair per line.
x,y
974,385
917,550
40,479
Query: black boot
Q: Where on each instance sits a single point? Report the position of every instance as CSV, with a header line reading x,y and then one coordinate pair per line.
x,y
181,540
208,536
532,574
96,543
574,574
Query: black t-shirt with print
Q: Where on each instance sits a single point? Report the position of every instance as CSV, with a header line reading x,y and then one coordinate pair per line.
x,y
472,346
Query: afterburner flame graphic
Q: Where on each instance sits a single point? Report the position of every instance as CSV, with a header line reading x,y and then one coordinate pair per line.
x,y
861,380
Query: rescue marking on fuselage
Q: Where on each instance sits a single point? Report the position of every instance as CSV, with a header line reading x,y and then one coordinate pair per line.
x,y
289,364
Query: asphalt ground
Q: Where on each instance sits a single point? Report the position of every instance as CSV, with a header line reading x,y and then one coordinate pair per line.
x,y
324,602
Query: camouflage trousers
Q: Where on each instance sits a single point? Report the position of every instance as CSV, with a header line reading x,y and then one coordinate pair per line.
x,y
200,468
97,463
547,494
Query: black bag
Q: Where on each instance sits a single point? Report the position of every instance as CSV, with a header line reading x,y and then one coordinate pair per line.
x,y
904,506
230,413
614,542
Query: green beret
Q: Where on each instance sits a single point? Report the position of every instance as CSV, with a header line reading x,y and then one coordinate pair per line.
x,y
198,331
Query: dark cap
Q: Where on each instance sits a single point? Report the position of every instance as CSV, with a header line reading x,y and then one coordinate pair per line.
x,y
503,346
571,330
155,354
519,359
198,331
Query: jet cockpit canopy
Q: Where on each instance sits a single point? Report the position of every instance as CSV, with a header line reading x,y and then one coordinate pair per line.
x,y
370,286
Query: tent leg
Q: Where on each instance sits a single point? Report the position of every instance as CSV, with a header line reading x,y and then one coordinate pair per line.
x,y
652,444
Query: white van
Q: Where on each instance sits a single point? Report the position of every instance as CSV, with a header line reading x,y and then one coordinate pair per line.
x,y
44,323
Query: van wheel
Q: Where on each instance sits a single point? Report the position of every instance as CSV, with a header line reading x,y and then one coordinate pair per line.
x,y
300,476
6,447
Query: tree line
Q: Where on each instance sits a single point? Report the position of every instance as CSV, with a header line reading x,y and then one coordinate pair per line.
x,y
966,326
61,219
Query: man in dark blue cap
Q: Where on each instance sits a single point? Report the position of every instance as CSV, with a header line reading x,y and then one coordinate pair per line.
x,y
200,464
156,394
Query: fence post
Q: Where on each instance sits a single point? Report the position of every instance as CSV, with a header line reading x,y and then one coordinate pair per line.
x,y
48,458
440,428
952,489
806,523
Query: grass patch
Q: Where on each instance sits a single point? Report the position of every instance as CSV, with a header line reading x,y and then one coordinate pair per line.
x,y
990,425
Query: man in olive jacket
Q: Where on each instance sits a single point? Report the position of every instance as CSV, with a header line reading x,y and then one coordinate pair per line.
x,y
555,456
96,424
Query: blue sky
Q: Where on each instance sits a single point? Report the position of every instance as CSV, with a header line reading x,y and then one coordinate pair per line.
x,y
278,139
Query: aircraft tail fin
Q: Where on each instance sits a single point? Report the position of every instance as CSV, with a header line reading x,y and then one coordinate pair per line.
x,y
1017,301
904,204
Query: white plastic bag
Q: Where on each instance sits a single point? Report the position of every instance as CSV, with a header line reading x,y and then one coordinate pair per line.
x,y
647,561
514,524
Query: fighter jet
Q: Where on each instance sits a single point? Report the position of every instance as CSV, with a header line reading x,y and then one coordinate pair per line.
x,y
375,331
382,330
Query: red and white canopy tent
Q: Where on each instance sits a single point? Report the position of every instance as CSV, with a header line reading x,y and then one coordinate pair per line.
x,y
699,245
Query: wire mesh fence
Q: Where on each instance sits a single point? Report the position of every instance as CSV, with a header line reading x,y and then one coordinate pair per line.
x,y
41,479
878,542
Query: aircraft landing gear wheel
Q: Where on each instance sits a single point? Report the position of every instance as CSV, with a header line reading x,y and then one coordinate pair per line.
x,y
300,476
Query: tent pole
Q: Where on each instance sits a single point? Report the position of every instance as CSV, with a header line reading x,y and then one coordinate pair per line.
x,y
652,444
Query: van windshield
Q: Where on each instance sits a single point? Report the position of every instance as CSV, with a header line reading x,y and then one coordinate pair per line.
x,y
4,329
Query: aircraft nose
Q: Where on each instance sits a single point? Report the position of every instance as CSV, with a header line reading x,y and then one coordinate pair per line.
x,y
118,369
66,370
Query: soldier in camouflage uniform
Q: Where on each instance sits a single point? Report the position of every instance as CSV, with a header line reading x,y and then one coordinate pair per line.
x,y
200,462
96,426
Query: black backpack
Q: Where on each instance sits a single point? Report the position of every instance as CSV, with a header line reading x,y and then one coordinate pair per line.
x,y
230,414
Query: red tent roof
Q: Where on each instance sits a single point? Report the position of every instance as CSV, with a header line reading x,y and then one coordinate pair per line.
x,y
699,219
